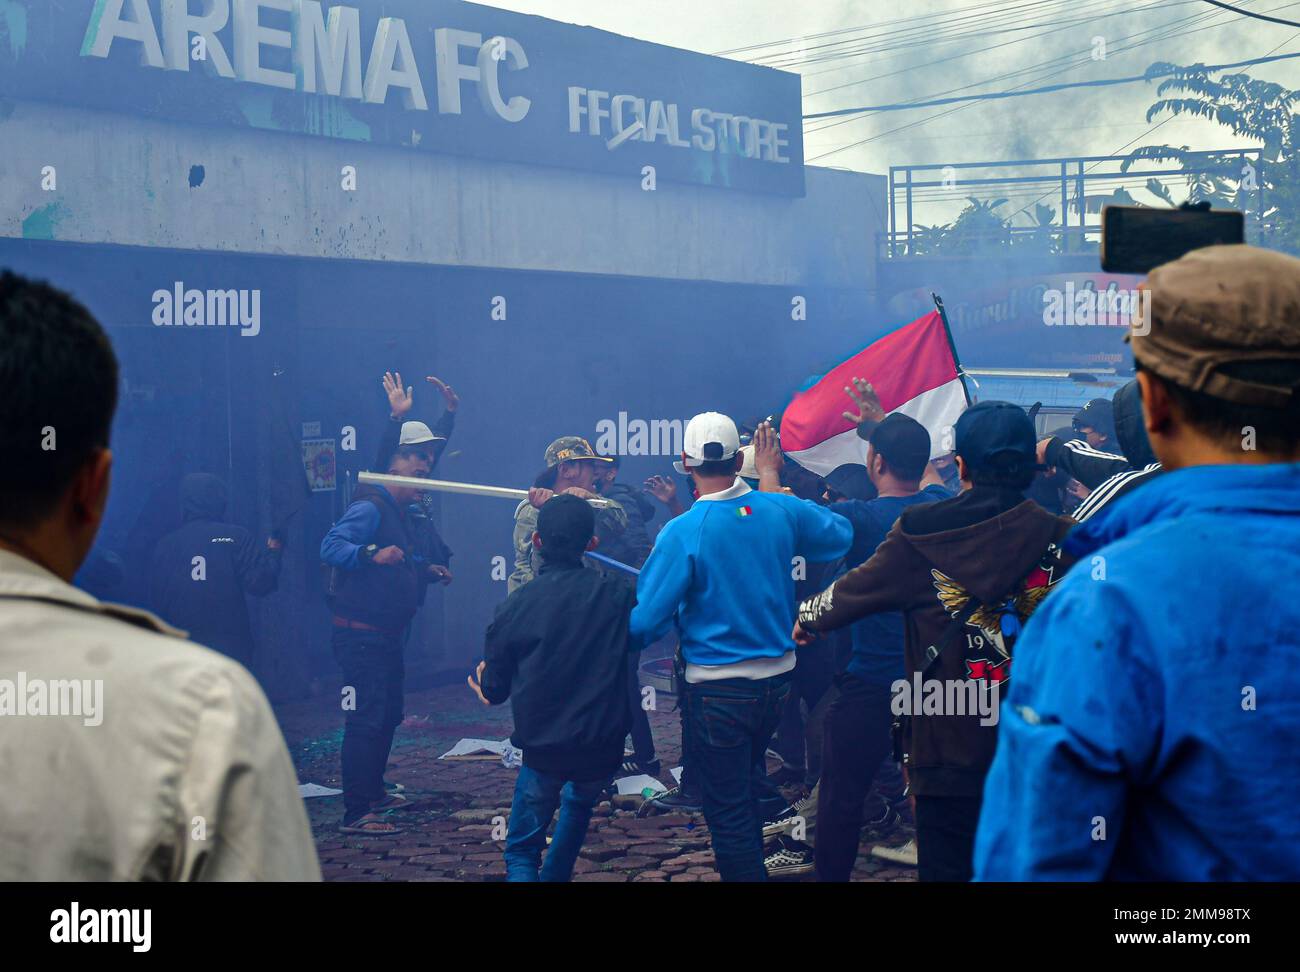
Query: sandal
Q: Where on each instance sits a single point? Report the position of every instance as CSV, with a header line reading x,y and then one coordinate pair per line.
x,y
371,825
390,801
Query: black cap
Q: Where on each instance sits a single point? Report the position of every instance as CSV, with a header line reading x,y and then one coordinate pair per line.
x,y
1098,414
851,480
566,523
904,443
991,429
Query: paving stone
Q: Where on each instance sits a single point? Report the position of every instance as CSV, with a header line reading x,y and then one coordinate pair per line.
x,y
482,815
656,850
684,878
495,871
600,852
437,861
632,863
603,876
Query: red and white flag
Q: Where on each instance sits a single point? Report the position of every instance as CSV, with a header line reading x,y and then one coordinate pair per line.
x,y
913,371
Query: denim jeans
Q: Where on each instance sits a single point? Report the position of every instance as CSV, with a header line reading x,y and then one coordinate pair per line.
x,y
537,795
857,741
730,722
372,665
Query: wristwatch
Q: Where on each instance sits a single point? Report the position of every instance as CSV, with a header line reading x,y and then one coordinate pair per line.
x,y
367,554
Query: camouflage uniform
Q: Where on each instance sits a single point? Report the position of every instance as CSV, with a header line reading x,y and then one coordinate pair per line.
x,y
611,519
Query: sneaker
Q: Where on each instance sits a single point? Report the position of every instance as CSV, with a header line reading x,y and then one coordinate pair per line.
x,y
671,801
784,820
791,859
631,767
906,854
883,824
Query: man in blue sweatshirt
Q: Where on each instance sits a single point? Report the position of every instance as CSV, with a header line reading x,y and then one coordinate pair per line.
x,y
724,570
1151,729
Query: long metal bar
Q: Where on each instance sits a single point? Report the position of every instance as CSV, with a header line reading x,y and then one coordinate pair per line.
x,y
445,486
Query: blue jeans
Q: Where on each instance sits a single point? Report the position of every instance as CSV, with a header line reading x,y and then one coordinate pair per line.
x,y
730,723
537,795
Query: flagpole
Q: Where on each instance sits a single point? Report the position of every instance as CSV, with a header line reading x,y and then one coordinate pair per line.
x,y
952,345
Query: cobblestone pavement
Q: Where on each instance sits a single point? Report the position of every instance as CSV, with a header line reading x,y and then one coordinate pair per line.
x,y
447,827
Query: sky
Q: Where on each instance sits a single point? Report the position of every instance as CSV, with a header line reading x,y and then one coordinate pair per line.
x,y
892,48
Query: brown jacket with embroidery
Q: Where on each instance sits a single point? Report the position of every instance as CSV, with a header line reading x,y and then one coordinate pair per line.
x,y
987,542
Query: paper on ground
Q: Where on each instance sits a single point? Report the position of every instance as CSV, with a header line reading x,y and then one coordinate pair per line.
x,y
480,748
307,790
677,774
638,784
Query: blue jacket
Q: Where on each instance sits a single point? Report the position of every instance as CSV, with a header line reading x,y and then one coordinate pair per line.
x,y
725,569
1157,694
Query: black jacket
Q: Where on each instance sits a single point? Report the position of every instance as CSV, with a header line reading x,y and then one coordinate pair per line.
x,y
383,595
559,647
212,609
1130,430
986,543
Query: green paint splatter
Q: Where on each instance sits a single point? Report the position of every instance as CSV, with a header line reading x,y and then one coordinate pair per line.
x,y
42,222
13,17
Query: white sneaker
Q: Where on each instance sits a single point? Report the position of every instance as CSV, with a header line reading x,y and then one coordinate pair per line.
x,y
906,854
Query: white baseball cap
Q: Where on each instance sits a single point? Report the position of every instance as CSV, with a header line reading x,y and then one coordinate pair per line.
x,y
710,436
748,470
416,433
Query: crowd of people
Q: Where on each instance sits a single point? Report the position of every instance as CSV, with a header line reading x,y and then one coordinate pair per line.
x,y
1063,656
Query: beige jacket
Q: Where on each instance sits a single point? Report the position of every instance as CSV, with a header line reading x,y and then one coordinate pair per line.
x,y
127,753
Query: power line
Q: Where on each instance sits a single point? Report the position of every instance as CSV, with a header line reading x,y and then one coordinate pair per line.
x,y
1256,16
1020,40
1071,58
996,95
900,20
1168,33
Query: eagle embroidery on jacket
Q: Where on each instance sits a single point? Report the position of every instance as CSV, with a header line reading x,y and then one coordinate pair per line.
x,y
1005,619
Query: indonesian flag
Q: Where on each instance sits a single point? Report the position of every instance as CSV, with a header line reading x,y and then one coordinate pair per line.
x,y
912,369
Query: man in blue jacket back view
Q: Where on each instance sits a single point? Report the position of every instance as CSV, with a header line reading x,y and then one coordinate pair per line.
x,y
724,570
1152,724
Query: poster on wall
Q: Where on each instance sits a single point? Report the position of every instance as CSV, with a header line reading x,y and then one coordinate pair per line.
x,y
318,460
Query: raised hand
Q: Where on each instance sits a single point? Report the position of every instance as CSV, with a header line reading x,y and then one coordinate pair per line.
x,y
768,457
448,394
661,488
476,682
400,398
866,400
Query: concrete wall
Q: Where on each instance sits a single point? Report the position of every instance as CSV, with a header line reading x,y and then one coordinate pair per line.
x,y
128,180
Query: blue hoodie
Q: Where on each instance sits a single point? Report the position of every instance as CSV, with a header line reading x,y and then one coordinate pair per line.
x,y
726,569
1153,722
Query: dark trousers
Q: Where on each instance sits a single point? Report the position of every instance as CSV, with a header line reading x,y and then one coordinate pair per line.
x,y
855,740
730,723
643,742
945,837
796,740
373,668
537,795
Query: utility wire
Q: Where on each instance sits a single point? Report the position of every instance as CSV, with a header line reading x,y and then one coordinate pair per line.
x,y
969,105
997,95
1256,16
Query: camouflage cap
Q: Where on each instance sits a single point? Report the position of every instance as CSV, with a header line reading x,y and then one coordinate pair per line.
x,y
1216,306
567,448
